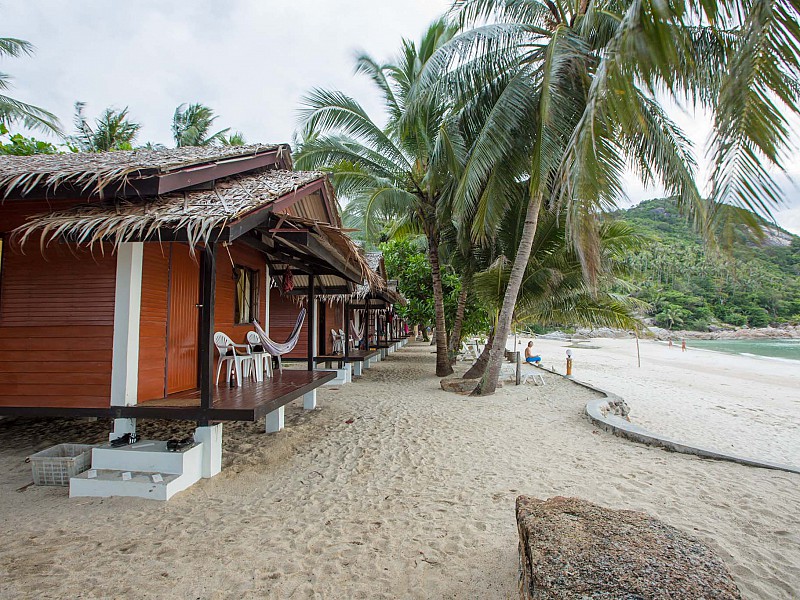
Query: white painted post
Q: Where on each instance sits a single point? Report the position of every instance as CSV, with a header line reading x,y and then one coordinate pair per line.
x,y
265,324
310,400
121,427
211,439
315,328
357,368
275,420
127,312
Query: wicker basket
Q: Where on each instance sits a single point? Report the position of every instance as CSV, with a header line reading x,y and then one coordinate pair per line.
x,y
56,465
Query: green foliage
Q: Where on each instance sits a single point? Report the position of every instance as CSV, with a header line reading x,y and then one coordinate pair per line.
x,y
754,282
407,262
191,126
112,131
19,145
13,111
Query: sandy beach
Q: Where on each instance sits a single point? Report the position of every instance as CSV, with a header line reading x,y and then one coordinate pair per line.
x,y
744,405
393,488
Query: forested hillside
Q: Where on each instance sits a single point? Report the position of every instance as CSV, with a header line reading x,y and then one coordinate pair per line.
x,y
756,282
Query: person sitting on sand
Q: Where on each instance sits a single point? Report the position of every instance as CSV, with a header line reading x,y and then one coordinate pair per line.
x,y
531,356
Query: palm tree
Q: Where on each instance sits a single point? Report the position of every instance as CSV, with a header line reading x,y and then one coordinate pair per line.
x,y
403,170
553,289
191,125
234,139
14,111
578,89
112,131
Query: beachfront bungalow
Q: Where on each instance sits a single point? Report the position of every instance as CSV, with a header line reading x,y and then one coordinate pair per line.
x,y
118,269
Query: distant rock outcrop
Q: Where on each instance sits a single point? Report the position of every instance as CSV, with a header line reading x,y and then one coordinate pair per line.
x,y
572,549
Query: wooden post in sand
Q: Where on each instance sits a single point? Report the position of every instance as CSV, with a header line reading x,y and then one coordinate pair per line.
x,y
638,356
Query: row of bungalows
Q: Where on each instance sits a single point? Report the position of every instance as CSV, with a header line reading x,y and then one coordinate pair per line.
x,y
117,270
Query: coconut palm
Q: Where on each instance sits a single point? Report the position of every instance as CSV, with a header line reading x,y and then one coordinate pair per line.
x,y
553,289
404,170
112,130
191,126
13,111
579,89
234,139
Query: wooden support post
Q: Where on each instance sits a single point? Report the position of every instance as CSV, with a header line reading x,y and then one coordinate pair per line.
x,y
346,321
311,317
208,283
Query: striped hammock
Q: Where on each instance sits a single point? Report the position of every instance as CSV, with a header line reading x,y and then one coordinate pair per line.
x,y
278,349
356,335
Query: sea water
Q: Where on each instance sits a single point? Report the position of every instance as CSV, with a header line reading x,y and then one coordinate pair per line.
x,y
786,349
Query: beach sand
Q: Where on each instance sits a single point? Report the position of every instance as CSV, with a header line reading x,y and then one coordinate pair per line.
x,y
412,499
743,405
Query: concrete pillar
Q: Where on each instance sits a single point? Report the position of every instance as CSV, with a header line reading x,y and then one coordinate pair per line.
x,y
275,420
211,439
310,400
357,368
121,427
125,348
127,310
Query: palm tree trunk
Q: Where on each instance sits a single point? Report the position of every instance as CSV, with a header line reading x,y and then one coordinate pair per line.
x,y
479,368
455,337
443,368
488,383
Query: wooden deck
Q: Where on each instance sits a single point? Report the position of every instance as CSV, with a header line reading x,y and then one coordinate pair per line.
x,y
353,356
247,403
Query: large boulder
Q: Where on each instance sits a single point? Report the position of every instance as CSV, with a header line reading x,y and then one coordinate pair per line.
x,y
572,549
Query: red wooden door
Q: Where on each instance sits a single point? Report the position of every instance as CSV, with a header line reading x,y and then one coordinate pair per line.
x,y
182,327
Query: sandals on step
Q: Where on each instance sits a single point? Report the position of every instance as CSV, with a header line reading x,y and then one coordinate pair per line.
x,y
174,445
124,440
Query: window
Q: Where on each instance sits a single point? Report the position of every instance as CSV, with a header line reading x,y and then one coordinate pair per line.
x,y
246,301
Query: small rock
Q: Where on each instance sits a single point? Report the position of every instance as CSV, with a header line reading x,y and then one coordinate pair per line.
x,y
459,385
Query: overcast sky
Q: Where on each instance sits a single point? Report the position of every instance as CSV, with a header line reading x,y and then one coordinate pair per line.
x,y
250,60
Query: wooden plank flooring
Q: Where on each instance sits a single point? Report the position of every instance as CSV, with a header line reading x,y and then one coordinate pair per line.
x,y
249,402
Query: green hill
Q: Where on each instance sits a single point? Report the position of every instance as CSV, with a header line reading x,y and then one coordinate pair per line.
x,y
756,282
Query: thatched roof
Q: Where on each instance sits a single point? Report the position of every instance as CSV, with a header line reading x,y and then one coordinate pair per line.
x,y
337,242
200,213
93,171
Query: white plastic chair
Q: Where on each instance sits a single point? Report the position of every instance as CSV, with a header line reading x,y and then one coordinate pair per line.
x,y
242,363
351,341
338,346
262,360
467,352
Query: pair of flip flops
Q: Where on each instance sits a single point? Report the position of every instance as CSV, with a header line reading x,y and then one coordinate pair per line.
x,y
174,445
124,440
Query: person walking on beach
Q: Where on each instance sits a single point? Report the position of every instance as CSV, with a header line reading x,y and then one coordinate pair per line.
x,y
683,345
531,356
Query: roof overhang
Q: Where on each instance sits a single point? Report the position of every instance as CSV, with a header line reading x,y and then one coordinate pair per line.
x,y
145,181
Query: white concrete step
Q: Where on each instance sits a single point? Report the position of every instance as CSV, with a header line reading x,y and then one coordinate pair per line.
x,y
145,455
177,470
343,375
108,482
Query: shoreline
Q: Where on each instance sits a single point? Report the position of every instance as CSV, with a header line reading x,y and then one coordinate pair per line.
x,y
787,332
730,403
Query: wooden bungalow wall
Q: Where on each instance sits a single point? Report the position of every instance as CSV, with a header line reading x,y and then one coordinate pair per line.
x,y
56,319
283,311
153,325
